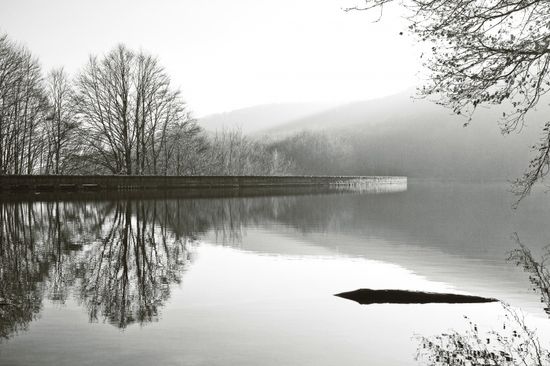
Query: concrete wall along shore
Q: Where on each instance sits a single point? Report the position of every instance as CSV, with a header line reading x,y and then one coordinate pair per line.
x,y
9,183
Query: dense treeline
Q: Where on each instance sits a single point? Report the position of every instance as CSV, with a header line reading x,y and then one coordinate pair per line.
x,y
118,115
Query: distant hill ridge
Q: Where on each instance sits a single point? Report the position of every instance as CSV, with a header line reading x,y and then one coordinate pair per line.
x,y
261,117
399,135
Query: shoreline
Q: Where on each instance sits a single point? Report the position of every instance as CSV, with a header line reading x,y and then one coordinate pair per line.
x,y
85,183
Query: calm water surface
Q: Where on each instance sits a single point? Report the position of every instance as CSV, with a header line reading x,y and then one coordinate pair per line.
x,y
250,280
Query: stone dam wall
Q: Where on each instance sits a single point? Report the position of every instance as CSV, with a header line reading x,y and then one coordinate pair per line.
x,y
39,183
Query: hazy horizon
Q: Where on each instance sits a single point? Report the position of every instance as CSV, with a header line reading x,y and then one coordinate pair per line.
x,y
228,56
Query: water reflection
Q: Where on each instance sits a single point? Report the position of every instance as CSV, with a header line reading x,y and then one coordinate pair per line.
x,y
126,276
119,258
516,343
22,269
257,273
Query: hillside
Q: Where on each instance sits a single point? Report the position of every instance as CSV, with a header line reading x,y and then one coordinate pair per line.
x,y
262,117
366,114
396,135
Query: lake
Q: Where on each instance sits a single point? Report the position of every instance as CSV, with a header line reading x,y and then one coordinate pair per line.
x,y
250,279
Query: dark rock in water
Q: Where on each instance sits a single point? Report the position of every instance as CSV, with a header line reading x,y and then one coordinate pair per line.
x,y
368,296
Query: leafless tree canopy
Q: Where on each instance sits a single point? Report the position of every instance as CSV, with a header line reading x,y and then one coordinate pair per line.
x,y
130,113
23,109
119,115
486,52
60,126
539,273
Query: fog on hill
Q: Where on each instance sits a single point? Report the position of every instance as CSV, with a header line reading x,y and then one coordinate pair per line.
x,y
262,117
398,135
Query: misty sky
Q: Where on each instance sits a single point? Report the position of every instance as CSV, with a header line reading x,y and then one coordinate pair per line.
x,y
226,55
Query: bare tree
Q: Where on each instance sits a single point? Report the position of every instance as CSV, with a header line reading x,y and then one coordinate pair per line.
x,y
514,345
539,273
182,148
103,100
61,123
128,109
486,52
120,116
23,108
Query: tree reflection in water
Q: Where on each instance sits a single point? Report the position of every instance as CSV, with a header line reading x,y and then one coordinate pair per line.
x,y
514,344
126,276
117,258
21,271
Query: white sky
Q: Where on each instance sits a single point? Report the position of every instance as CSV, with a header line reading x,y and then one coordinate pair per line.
x,y
226,55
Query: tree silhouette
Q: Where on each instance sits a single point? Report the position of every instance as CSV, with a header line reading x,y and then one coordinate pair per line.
x,y
514,344
539,274
129,110
486,53
23,109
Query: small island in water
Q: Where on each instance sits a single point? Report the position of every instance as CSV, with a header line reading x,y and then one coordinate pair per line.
x,y
367,296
